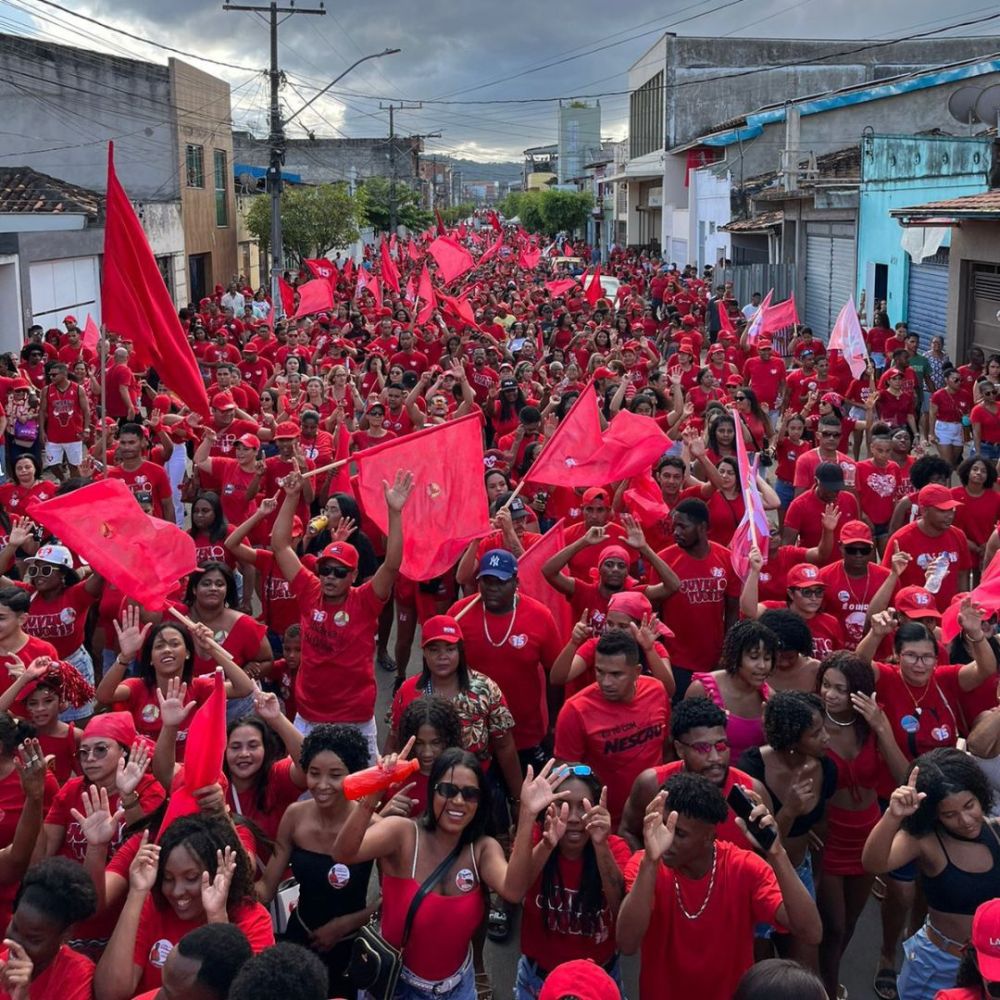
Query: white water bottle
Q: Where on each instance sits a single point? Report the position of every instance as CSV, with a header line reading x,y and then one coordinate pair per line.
x,y
938,571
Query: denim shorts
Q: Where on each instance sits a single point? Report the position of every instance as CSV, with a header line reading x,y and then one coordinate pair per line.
x,y
989,451
926,968
529,984
413,988
805,874
785,491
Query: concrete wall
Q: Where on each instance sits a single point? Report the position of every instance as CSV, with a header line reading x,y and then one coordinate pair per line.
x,y
59,105
709,200
910,170
164,228
971,242
326,161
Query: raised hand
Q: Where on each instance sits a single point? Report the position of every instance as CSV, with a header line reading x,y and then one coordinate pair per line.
x,y
397,494
596,535
131,633
635,537
597,819
755,559
31,765
400,804
538,792
344,530
884,623
645,632
15,972
555,822
971,619
22,530
38,668
130,774
900,559
657,830
868,708
142,871
215,891
268,506
97,823
905,800
292,484
582,630
173,711
830,517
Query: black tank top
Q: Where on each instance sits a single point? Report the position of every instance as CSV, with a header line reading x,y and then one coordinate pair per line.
x,y
954,890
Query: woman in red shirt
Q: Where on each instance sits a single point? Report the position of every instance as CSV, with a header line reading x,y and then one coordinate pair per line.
x,y
894,404
980,501
209,529
948,409
704,391
14,496
169,895
985,419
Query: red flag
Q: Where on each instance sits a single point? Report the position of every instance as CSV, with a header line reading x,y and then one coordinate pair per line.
x,y
137,304
631,444
447,508
459,310
411,249
494,221
320,267
206,746
528,258
725,320
577,437
375,287
491,251
987,595
314,296
287,297
754,528
644,500
411,290
779,317
560,286
426,295
91,333
143,556
757,320
390,275
452,260
846,337
594,290
441,230
340,479
349,269
568,250
531,582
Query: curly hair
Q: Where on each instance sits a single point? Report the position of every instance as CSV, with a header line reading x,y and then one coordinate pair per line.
x,y
695,713
202,836
790,629
696,797
13,732
59,888
787,715
929,469
274,751
438,713
345,741
222,950
745,636
966,467
860,680
945,771
285,970
147,674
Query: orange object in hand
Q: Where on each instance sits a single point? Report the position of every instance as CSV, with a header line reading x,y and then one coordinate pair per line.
x,y
377,779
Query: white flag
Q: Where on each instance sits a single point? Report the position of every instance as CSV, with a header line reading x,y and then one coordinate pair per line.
x,y
753,330
846,337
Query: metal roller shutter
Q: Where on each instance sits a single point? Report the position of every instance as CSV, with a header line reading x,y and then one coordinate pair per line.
x,y
829,273
984,322
927,297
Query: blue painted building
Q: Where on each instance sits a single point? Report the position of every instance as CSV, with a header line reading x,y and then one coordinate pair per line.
x,y
908,170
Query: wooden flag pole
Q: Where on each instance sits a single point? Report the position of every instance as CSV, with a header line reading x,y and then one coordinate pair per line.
x,y
324,468
216,648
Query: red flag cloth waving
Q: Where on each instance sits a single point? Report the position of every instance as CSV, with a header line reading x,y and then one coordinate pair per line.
x,y
987,595
441,228
491,251
529,258
644,501
447,508
287,297
631,445
426,296
411,249
531,582
91,334
143,556
452,260
576,438
779,317
494,221
320,267
206,745
137,304
314,296
560,286
390,275
725,320
594,290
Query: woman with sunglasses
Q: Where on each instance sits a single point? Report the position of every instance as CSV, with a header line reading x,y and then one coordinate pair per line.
x,y
757,429
990,377
939,820
437,956
985,418
865,754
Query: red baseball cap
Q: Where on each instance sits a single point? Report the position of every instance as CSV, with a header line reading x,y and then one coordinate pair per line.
x,y
986,939
286,429
936,495
916,602
441,628
734,380
580,978
69,319
223,401
603,373
249,441
804,575
688,320
342,552
764,344
595,493
856,531
20,383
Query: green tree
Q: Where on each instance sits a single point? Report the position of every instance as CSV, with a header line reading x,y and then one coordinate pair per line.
x,y
314,220
374,195
565,211
454,215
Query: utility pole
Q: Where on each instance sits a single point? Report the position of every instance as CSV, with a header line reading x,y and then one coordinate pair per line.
x,y
276,136
391,108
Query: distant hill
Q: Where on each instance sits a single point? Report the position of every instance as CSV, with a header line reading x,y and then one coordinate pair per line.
x,y
504,170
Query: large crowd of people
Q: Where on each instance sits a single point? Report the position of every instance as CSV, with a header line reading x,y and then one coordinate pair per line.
x,y
636,744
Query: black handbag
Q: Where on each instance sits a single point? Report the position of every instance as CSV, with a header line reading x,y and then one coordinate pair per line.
x,y
375,964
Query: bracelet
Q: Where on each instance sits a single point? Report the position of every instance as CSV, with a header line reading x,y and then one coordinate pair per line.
x,y
982,638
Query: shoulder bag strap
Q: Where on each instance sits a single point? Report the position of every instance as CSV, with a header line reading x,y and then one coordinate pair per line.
x,y
425,887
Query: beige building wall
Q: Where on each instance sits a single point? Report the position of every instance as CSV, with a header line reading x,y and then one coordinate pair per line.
x,y
202,113
972,242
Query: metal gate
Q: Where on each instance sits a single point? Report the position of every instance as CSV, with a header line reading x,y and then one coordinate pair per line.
x,y
983,310
750,278
829,273
927,297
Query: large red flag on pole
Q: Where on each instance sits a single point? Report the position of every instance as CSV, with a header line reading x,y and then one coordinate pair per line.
x,y
426,296
577,437
779,317
531,582
314,296
594,288
754,529
91,333
447,508
136,303
452,260
390,274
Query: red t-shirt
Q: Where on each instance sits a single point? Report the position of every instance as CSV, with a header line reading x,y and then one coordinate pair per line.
x,y
226,437
877,489
937,723
674,961
848,598
807,463
63,414
279,793
336,678
924,549
118,376
146,478
951,406
786,452
205,550
978,515
144,707
806,510
160,929
827,632
696,612
60,620
765,377
32,648
69,976
586,560
242,643
360,440
771,584
234,481
989,423
895,409
619,740
14,498
518,654
279,606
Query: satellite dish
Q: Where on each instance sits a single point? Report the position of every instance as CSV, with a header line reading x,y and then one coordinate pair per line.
x,y
962,105
988,105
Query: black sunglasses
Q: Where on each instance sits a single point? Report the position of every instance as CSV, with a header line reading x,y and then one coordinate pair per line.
x,y
449,790
340,572
858,550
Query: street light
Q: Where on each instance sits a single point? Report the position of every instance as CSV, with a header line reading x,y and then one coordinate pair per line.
x,y
275,181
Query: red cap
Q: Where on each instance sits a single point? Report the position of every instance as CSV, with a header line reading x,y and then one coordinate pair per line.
x,y
285,430
162,402
734,380
716,349
936,495
833,398
804,575
580,978
986,939
441,628
69,319
614,552
685,347
916,602
893,373
342,552
764,344
20,383
631,345
249,441
595,493
688,320
223,401
856,531
603,373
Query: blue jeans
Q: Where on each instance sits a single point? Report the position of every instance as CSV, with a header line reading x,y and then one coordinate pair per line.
x,y
991,452
785,491
465,989
926,968
529,984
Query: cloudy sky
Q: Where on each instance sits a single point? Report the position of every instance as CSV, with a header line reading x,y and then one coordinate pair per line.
x,y
497,52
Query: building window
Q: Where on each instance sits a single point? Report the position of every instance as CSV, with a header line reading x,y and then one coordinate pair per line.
x,y
646,117
195,166
221,189
166,268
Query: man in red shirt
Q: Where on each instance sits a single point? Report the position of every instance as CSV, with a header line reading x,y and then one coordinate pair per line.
x,y
618,725
255,370
120,388
687,888
482,378
828,435
336,676
803,525
73,350
144,478
595,507
230,424
64,414
765,374
408,357
800,382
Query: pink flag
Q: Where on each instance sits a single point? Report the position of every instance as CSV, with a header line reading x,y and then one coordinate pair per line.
x,y
91,334
411,289
757,321
426,295
531,582
779,317
411,249
754,528
846,337
986,595
362,282
314,296
452,260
